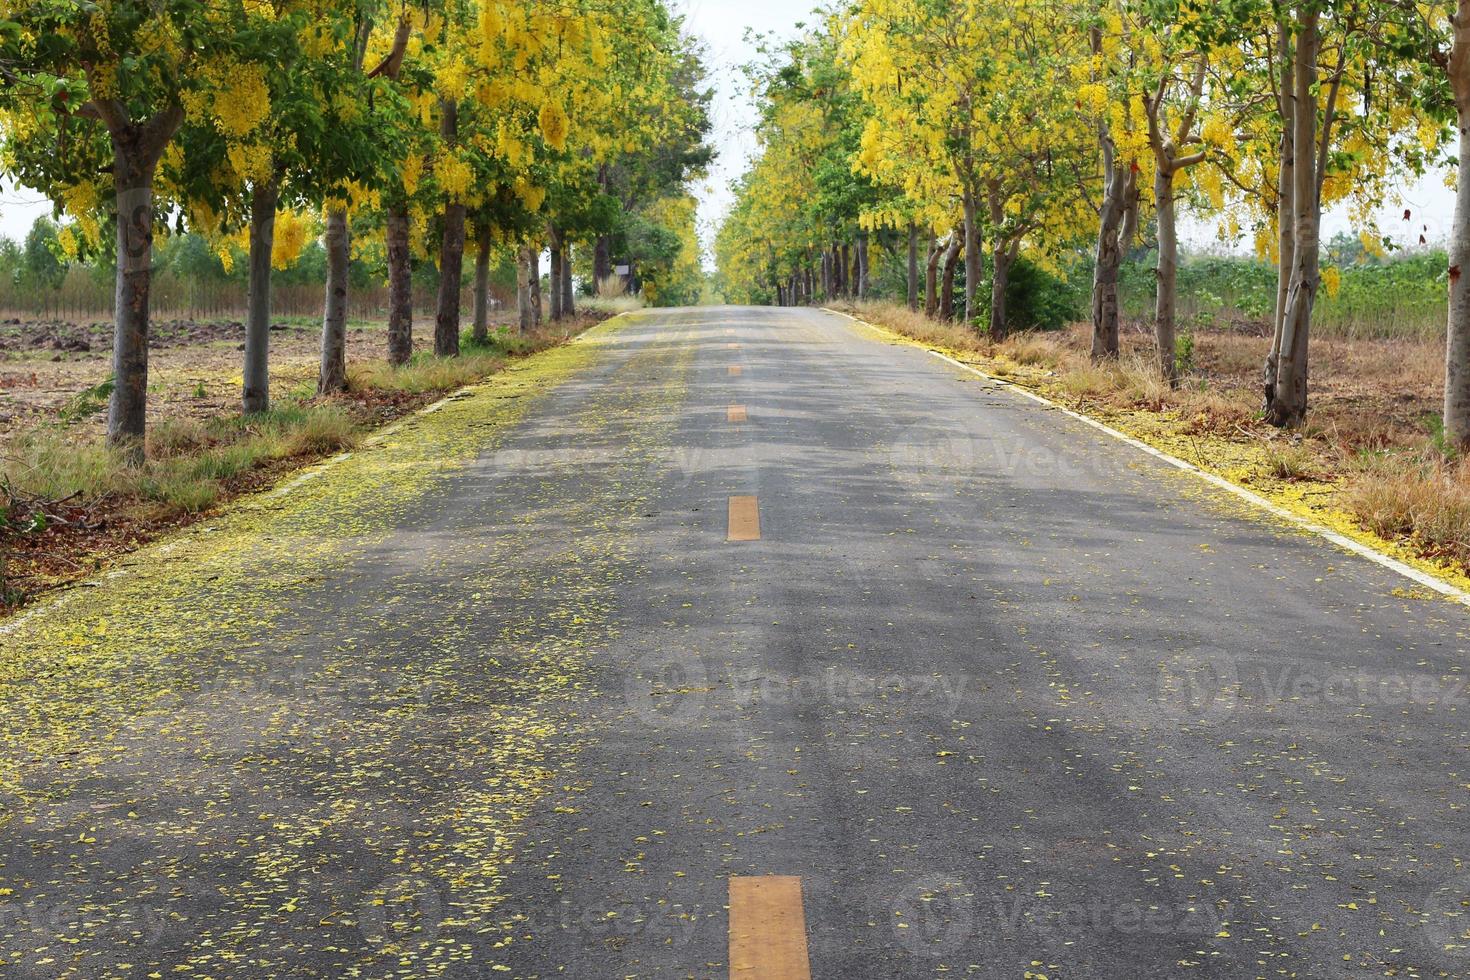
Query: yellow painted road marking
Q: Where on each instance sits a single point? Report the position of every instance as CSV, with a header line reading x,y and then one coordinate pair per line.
x,y
732,347
735,370
745,519
735,413
767,929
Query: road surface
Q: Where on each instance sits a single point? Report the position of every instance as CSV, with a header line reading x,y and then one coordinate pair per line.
x,y
738,642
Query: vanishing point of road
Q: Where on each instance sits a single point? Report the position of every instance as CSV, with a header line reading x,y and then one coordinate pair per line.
x,y
737,643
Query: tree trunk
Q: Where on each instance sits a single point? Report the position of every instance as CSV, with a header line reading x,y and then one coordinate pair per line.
x,y
568,299
255,394
1287,403
1165,302
1457,347
333,374
913,282
931,278
1005,257
847,284
400,287
451,282
951,258
601,262
481,332
525,320
533,275
136,151
1285,209
556,272
1109,258
972,258
862,265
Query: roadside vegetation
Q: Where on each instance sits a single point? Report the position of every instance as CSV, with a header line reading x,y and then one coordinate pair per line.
x,y
1008,180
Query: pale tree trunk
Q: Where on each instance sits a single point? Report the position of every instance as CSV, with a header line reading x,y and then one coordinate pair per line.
x,y
1107,262
913,267
1285,208
533,261
525,319
255,393
400,287
1117,191
481,331
1004,258
1165,302
568,297
1457,346
1167,164
136,151
556,272
862,265
1006,251
846,270
602,247
337,239
826,275
332,376
931,277
951,259
451,282
972,258
1287,402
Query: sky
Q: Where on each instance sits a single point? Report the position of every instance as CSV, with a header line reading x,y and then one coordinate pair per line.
x,y
723,25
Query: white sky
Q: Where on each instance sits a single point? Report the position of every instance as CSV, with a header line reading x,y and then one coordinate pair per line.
x,y
722,24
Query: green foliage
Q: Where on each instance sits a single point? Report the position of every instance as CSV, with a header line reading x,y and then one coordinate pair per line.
x,y
41,266
87,402
1395,297
1035,299
1183,352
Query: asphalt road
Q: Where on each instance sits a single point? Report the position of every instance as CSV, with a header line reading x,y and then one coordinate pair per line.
x,y
499,697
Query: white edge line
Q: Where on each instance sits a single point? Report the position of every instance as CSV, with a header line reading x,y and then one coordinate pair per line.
x,y
1341,540
256,500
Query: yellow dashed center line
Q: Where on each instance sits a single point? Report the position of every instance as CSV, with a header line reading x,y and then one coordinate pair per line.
x,y
735,370
745,521
732,347
735,413
767,929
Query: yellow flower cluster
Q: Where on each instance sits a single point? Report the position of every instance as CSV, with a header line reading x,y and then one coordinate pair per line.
x,y
455,176
293,231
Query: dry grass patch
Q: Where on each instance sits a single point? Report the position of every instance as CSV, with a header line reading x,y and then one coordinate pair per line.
x,y
1424,499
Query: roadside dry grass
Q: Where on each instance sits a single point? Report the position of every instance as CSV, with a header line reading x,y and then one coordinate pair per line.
x,y
68,504
1367,463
